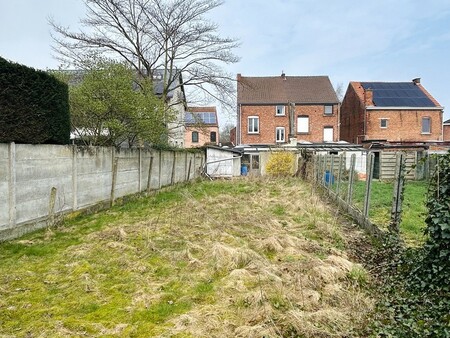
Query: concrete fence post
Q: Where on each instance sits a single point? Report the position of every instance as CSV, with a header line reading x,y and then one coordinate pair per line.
x,y
51,207
74,178
140,170
189,169
172,177
12,184
160,169
149,178
114,176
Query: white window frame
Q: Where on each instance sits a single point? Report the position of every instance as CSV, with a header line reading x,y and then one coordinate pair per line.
x,y
381,123
280,110
280,131
325,109
301,127
252,127
324,134
429,125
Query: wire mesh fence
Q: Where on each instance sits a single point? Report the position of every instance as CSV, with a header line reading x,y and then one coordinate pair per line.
x,y
395,204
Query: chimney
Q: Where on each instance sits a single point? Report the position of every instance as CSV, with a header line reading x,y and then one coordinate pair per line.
x,y
416,81
283,76
368,97
238,77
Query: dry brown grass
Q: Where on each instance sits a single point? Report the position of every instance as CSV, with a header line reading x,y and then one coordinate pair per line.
x,y
229,259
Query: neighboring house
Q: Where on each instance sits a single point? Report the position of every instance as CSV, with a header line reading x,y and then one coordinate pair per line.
x,y
390,112
176,100
446,130
233,136
285,109
201,127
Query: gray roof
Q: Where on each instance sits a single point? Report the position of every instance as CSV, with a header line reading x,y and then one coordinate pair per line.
x,y
158,75
76,77
284,89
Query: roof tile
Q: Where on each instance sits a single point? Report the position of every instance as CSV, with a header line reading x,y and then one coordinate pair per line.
x,y
283,89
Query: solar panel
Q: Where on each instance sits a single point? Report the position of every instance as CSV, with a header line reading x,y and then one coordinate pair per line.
x,y
204,117
398,94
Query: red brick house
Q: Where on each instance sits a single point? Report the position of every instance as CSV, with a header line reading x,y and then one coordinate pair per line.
x,y
390,112
283,109
446,131
201,127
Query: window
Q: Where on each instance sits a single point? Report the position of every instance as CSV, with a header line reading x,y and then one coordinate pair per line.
x,y
303,124
383,123
328,134
253,125
328,110
426,125
279,111
255,162
279,134
213,136
194,136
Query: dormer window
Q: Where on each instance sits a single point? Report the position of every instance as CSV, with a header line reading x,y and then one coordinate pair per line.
x,y
279,111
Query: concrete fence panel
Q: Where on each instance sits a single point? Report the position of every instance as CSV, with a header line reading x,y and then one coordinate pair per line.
x,y
4,185
93,174
38,169
38,182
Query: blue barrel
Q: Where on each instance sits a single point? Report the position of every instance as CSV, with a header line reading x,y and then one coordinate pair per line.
x,y
329,178
244,170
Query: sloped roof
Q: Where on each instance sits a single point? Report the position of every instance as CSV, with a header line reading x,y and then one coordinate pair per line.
x,y
158,85
76,77
396,94
201,115
447,122
284,89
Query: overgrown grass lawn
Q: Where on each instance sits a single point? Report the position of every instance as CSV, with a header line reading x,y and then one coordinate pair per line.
x,y
243,258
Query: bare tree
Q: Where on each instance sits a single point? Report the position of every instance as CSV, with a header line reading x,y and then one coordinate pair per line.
x,y
225,133
340,91
173,35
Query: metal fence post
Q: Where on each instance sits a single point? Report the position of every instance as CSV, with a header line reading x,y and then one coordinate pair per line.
x,y
338,184
351,178
397,200
369,174
331,175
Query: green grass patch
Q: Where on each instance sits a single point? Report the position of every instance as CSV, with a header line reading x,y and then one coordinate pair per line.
x,y
414,209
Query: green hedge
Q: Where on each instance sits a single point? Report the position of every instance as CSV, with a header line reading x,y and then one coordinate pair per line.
x,y
34,106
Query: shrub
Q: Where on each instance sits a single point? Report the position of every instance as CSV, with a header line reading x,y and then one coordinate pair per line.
x,y
281,163
33,106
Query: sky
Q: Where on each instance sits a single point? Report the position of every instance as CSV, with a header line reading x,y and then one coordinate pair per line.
x,y
347,40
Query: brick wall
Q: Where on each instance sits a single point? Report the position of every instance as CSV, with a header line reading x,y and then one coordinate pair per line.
x,y
446,135
352,117
204,136
403,125
268,122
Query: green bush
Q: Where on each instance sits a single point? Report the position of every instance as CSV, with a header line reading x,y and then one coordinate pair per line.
x,y
281,163
33,106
